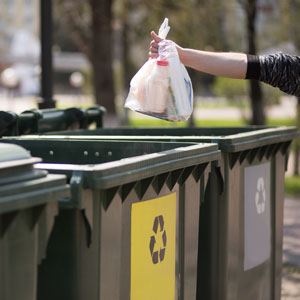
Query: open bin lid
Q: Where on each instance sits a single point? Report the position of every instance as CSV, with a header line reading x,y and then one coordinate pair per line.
x,y
23,186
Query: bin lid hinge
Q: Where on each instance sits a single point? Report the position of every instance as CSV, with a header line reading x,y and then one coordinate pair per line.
x,y
76,184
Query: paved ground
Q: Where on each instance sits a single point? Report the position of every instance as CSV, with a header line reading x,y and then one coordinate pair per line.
x,y
290,284
291,232
291,250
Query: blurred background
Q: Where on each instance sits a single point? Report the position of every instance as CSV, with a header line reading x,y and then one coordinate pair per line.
x,y
97,46
63,53
76,53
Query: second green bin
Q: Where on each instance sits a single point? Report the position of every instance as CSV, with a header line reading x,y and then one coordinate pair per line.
x,y
241,232
131,228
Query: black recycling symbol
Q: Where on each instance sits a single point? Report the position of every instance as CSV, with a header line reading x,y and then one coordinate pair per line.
x,y
158,241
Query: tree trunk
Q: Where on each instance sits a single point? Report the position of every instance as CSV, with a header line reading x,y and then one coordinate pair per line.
x,y
258,115
102,54
256,96
126,55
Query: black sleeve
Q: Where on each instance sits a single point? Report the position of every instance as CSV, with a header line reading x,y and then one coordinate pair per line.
x,y
253,67
282,71
279,70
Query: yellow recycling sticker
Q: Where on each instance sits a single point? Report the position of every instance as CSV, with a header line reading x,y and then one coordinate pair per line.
x,y
153,249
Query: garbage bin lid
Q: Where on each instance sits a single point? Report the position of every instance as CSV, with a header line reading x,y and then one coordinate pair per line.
x,y
29,191
20,163
21,185
11,152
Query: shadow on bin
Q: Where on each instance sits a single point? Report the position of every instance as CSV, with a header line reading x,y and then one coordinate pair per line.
x,y
28,205
240,241
130,230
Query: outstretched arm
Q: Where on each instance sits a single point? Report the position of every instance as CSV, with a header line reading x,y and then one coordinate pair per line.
x,y
226,64
278,70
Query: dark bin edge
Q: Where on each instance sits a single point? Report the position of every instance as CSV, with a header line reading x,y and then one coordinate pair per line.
x,y
123,171
36,192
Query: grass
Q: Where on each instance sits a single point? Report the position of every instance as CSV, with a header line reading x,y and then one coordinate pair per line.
x,y
206,123
155,123
221,123
281,122
292,186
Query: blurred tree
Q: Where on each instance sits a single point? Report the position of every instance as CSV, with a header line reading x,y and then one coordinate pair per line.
x,y
293,7
290,10
90,24
194,24
61,34
126,8
235,92
128,69
256,96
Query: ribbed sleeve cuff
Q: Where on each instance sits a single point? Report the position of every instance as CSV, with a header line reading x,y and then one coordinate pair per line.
x,y
253,67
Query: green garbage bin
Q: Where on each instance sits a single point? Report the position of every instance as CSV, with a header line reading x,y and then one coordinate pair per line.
x,y
130,230
41,121
240,242
45,120
28,205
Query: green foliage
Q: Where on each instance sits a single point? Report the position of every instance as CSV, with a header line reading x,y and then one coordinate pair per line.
x,y
221,123
281,122
293,22
235,91
232,89
271,95
194,24
62,33
155,123
152,122
292,185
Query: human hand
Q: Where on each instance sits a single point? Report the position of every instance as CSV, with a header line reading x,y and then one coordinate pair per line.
x,y
153,50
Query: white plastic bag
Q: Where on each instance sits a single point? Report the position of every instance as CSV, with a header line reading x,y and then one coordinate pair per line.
x,y
162,87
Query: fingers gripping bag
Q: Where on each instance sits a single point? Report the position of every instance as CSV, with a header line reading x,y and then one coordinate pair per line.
x,y
162,87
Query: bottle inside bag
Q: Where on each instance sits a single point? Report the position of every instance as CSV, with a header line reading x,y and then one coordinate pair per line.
x,y
162,87
157,87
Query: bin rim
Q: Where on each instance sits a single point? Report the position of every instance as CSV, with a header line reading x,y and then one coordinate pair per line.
x,y
258,137
32,193
20,162
119,172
